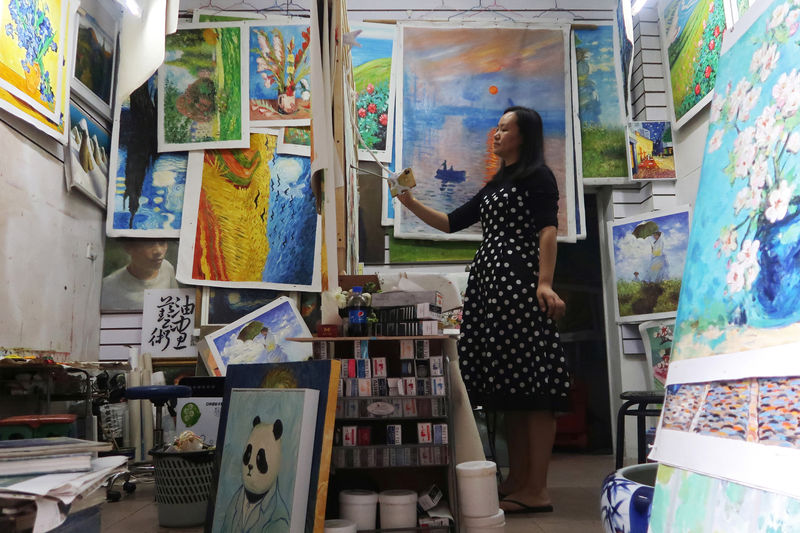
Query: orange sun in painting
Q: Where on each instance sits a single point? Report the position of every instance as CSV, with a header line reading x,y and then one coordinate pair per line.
x,y
493,89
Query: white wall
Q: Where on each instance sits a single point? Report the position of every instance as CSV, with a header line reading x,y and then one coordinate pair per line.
x,y
50,290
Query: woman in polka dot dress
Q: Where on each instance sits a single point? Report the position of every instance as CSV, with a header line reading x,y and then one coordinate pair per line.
x,y
510,354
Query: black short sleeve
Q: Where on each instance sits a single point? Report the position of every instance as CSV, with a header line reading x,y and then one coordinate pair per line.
x,y
466,215
543,197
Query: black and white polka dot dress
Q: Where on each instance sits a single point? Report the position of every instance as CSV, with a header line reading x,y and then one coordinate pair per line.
x,y
510,354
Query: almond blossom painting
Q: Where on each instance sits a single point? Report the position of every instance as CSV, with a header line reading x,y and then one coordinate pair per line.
x,y
742,279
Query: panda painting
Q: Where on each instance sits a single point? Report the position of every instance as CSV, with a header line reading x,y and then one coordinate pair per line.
x,y
258,505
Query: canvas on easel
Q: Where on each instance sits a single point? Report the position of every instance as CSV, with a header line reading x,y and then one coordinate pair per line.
x,y
266,460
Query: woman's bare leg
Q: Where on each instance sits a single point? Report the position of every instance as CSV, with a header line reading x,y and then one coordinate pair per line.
x,y
541,430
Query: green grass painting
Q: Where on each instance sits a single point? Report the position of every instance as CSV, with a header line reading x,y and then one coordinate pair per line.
x,y
202,87
422,251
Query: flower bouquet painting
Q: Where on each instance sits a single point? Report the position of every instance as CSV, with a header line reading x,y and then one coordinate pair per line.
x,y
691,37
32,45
280,67
742,279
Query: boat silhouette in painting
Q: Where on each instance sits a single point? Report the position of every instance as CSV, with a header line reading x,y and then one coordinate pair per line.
x,y
449,175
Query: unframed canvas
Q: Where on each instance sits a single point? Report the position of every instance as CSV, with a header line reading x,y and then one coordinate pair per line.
x,y
96,56
452,95
651,152
89,147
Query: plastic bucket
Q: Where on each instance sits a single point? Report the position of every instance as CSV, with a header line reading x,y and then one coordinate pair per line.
x,y
183,480
340,526
398,508
494,523
360,507
477,488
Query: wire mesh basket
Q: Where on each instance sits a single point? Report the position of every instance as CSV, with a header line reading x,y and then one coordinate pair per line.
x,y
183,481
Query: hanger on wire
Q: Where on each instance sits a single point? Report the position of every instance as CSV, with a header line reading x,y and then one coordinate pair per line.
x,y
494,7
286,6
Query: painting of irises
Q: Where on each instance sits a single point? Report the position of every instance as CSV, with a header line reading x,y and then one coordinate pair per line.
x,y
600,107
202,89
279,65
250,220
742,282
372,74
146,194
691,37
648,252
89,145
456,83
32,47
650,151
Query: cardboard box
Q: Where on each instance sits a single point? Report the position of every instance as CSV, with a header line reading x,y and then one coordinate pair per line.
x,y
200,415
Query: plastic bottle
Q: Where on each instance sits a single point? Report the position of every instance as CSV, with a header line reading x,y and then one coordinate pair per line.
x,y
357,312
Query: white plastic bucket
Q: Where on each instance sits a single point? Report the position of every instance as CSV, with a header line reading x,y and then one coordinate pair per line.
x,y
477,488
359,506
495,523
340,526
398,508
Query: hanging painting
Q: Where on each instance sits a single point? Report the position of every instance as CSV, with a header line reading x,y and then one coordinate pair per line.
x,y
33,45
146,194
203,87
600,119
260,337
95,57
737,323
35,68
89,146
456,83
295,140
223,306
648,252
279,67
657,338
651,152
623,40
375,88
250,220
691,40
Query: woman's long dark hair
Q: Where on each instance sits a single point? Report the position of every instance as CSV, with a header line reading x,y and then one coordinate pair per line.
x,y
531,151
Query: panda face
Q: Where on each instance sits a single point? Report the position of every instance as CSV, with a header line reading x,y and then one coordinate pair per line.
x,y
261,459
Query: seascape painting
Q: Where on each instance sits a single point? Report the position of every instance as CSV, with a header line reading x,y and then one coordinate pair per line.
x,y
372,75
691,38
33,45
250,220
742,281
648,254
202,88
279,67
95,57
146,194
453,94
601,118
651,151
260,337
89,146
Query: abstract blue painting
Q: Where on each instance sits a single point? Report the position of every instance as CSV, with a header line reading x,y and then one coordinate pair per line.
x,y
145,197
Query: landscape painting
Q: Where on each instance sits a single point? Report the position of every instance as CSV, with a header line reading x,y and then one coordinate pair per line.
x,y
601,119
279,67
295,140
89,145
456,83
372,74
223,306
651,153
648,254
691,39
33,44
202,89
250,220
146,194
260,337
742,279
95,57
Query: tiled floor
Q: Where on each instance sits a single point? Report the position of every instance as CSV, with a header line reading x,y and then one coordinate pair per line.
x,y
574,487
